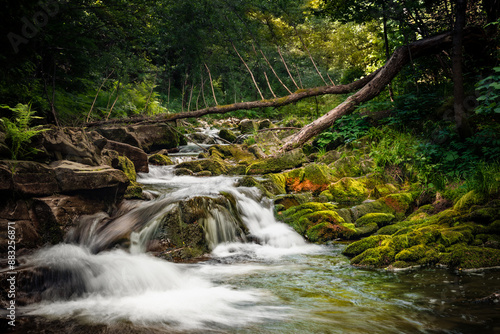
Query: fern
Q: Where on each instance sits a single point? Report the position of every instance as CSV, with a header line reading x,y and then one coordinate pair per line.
x,y
19,132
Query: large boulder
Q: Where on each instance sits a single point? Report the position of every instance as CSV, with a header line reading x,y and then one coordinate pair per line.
x,y
57,213
138,157
154,137
103,180
148,137
120,134
72,144
27,178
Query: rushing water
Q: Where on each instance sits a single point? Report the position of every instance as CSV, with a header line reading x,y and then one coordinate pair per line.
x,y
282,285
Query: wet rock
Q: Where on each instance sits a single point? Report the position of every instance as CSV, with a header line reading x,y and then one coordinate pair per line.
x,y
120,134
160,160
138,157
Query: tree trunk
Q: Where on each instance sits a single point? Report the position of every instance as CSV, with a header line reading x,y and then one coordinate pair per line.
x,y
462,124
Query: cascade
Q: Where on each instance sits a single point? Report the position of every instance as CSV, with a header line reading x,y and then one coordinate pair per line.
x,y
102,271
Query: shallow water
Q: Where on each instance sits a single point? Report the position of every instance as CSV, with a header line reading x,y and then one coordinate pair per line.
x,y
284,285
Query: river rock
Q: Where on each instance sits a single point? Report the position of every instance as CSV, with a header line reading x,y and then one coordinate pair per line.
x,y
138,157
154,137
120,134
57,213
27,178
72,144
278,163
248,126
73,177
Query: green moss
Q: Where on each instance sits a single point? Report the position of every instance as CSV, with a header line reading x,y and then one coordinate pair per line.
x,y
400,203
360,246
277,182
385,189
463,256
134,191
485,215
279,163
326,231
412,254
389,229
348,190
377,257
381,219
127,166
468,200
365,230
160,159
227,135
369,207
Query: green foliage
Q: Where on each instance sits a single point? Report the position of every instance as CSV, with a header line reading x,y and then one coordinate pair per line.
x,y
489,90
19,132
347,129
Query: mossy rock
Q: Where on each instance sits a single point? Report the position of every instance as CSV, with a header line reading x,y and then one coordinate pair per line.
x,y
468,200
326,231
464,256
291,200
134,191
279,163
365,230
314,178
389,229
424,235
348,190
369,207
236,153
249,181
277,182
377,257
381,190
160,160
400,203
125,165
485,215
183,171
380,219
362,245
265,124
347,166
248,126
412,254
330,157
227,135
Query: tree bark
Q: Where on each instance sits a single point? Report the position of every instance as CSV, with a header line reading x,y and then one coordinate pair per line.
x,y
461,122
276,102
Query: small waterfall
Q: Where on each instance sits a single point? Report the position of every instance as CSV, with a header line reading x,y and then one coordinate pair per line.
x,y
103,274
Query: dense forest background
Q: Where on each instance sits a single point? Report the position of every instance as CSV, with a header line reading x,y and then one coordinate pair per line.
x,y
77,62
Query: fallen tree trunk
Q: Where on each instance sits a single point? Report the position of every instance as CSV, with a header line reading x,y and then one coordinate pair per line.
x,y
368,87
276,102
383,77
